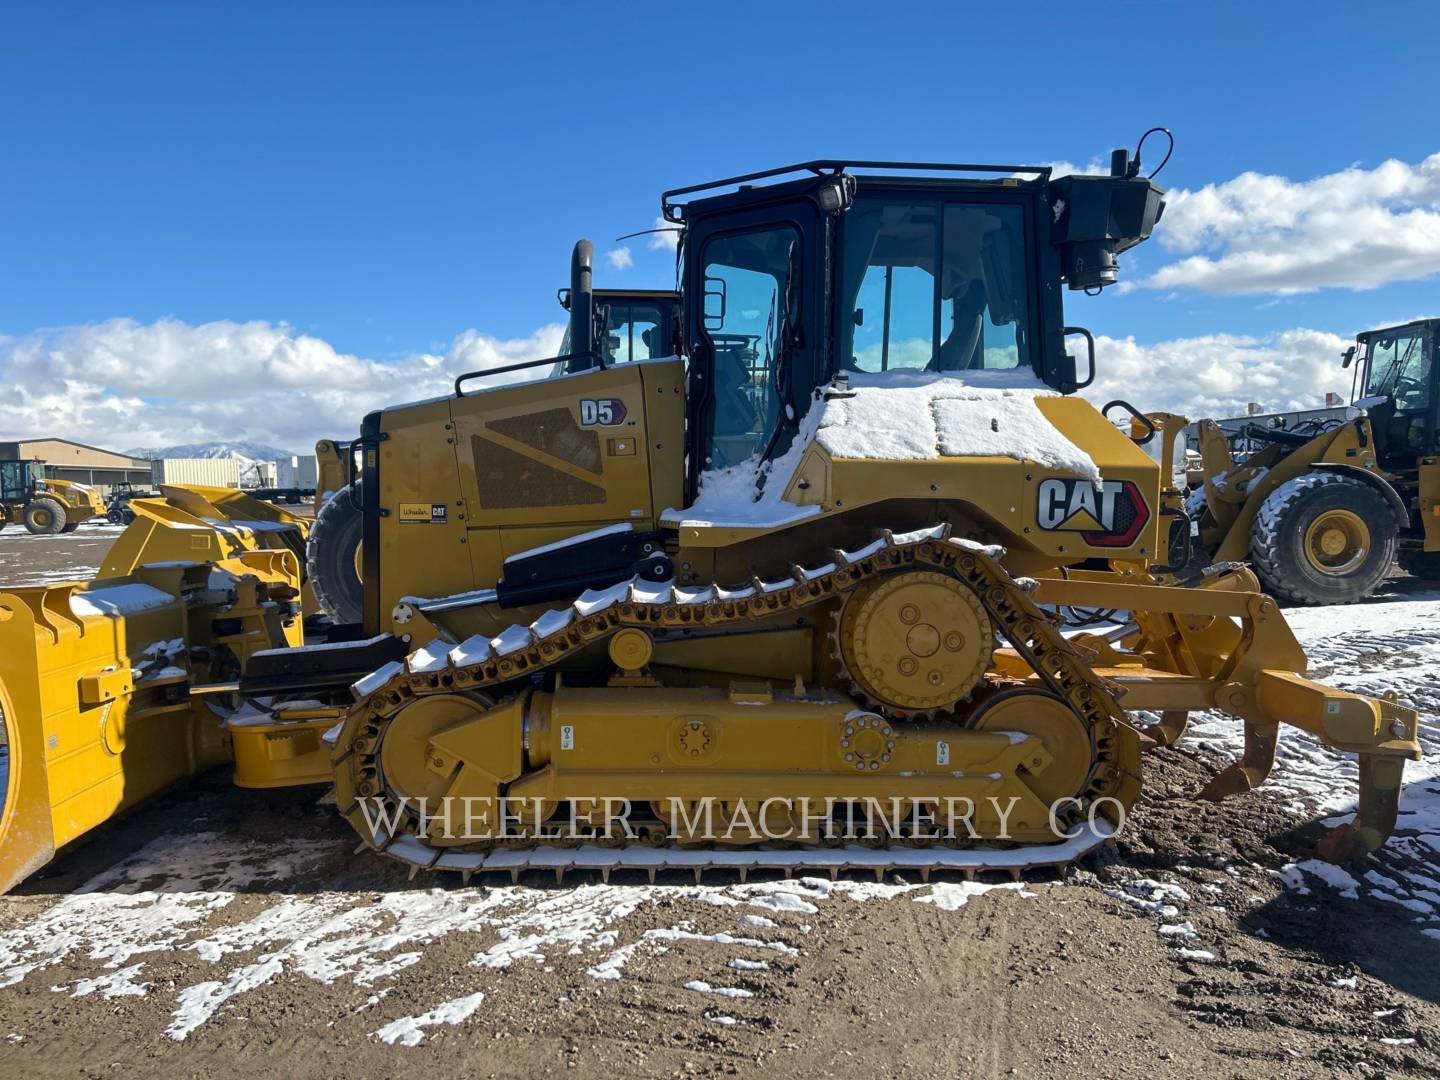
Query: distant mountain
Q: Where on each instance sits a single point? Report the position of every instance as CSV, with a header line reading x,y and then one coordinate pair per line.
x,y
241,451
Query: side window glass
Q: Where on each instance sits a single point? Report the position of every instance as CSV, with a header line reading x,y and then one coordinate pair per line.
x,y
1413,390
890,255
634,332
750,287
1400,368
974,314
616,345
985,302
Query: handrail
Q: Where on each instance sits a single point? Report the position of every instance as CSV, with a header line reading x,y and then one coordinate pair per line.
x,y
599,362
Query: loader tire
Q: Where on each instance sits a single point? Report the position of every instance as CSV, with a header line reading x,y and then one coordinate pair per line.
x,y
44,516
1323,538
330,557
1424,565
70,526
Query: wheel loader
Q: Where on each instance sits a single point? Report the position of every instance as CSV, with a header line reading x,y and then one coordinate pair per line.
x,y
1324,507
795,598
44,506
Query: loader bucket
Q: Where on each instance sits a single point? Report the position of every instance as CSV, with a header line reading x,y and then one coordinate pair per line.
x,y
98,689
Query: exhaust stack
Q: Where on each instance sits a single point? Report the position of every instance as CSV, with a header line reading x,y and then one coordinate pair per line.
x,y
582,300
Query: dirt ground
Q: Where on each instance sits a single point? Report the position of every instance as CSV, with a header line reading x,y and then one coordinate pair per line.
x,y
40,560
1067,980
222,930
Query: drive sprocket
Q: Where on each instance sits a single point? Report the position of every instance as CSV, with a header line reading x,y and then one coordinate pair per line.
x,y
914,642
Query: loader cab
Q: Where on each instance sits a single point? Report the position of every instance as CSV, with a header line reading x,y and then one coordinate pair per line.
x,y
19,480
789,284
1396,382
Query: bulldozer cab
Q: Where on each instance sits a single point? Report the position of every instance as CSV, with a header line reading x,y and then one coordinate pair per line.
x,y
792,283
19,479
1395,381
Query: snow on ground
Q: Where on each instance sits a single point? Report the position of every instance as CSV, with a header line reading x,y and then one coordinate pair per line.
x,y
86,531
180,892
53,577
176,894
1389,643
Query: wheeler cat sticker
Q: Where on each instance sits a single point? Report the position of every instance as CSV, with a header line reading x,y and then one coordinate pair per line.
x,y
424,513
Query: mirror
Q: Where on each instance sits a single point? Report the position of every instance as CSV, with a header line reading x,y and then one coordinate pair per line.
x,y
715,309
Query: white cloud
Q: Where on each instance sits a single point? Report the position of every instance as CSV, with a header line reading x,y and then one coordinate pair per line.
x,y
668,236
1094,167
619,259
123,383
1219,374
1355,229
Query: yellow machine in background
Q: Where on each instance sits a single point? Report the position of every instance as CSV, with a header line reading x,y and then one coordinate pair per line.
x,y
1324,505
44,506
630,325
813,576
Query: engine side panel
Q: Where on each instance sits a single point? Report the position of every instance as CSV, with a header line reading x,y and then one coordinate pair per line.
x,y
467,482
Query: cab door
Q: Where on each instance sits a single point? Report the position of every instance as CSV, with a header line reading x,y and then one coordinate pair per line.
x,y
1400,369
754,303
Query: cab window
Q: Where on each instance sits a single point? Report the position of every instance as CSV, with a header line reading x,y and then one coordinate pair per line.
x,y
751,282
635,331
1400,368
935,286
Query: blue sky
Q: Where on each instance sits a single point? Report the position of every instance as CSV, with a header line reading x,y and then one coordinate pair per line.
x,y
385,177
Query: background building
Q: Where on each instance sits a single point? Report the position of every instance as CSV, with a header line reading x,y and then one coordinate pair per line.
x,y
67,460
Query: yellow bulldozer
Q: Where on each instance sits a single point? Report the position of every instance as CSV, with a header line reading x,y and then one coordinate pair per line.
x,y
795,598
1325,501
44,506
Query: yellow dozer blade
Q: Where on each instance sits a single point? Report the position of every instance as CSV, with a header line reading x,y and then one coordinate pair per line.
x,y
194,524
104,687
